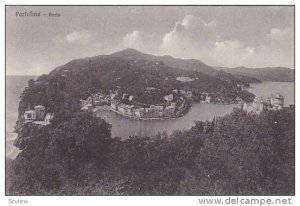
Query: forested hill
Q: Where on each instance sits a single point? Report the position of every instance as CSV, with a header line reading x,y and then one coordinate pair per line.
x,y
238,154
184,64
277,74
130,71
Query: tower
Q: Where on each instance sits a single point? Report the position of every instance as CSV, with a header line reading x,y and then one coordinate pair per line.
x,y
261,105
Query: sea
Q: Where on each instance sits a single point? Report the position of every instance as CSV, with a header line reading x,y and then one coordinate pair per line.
x,y
124,127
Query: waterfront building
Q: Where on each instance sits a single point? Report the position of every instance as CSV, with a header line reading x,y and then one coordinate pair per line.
x,y
277,101
207,99
150,112
169,111
128,110
254,107
138,112
121,108
189,95
114,104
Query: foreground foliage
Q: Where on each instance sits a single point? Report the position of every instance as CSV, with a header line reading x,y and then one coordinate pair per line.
x,y
232,155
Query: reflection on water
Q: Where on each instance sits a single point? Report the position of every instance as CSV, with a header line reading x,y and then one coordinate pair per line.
x,y
125,127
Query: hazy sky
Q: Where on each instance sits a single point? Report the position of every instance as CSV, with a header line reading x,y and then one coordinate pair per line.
x,y
253,36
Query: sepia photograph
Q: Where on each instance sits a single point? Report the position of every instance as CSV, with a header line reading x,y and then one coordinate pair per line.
x,y
160,100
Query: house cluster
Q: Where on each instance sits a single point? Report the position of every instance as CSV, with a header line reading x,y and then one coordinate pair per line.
x,y
187,94
125,104
154,111
97,99
38,115
275,102
241,87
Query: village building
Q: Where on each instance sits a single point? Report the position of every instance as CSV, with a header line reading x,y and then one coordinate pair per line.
x,y
175,91
169,111
254,107
128,110
150,90
114,104
182,92
169,97
40,112
138,112
277,101
121,108
131,98
87,107
30,115
38,116
125,96
48,118
207,99
113,95
189,95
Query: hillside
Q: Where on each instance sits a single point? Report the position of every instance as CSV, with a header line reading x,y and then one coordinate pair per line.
x,y
133,72
237,154
279,74
184,64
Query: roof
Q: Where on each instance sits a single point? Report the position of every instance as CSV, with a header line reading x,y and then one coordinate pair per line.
x,y
39,107
29,111
278,96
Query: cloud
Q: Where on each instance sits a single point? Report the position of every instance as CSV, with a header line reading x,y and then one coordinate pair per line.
x,y
232,47
141,41
192,33
276,33
81,37
231,53
193,37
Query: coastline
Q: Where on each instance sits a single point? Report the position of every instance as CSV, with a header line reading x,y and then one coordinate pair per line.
x,y
143,118
108,108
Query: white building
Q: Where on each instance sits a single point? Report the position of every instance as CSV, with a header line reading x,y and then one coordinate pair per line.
x,y
131,98
277,101
169,97
254,107
30,115
40,112
207,99
48,118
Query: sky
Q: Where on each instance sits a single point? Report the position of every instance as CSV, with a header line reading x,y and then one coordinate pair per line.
x,y
226,36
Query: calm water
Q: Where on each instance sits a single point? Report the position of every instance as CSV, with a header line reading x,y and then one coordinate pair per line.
x,y
124,127
14,87
266,89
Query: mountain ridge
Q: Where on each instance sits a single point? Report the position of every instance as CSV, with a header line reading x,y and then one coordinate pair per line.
x,y
279,74
251,75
